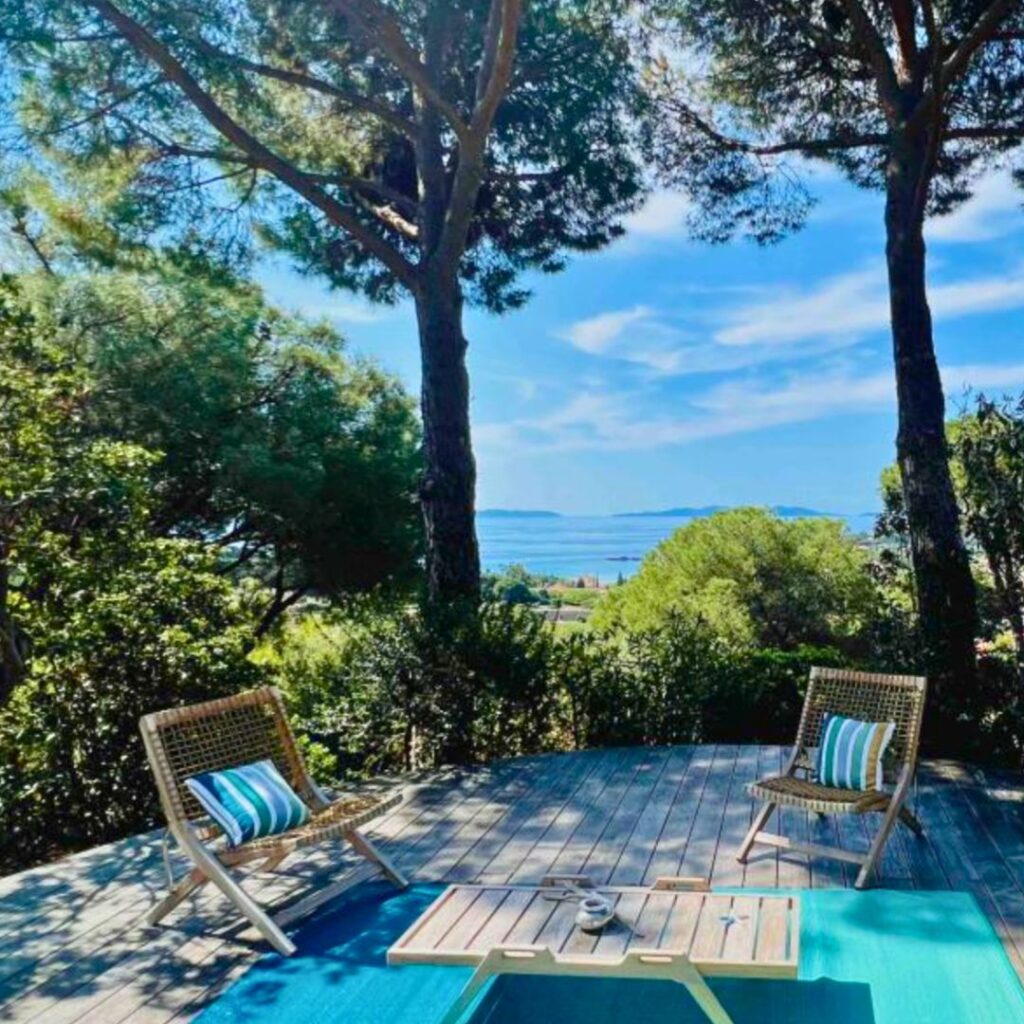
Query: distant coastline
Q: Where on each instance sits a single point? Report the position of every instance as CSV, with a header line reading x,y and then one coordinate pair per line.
x,y
681,512
609,547
517,513
785,511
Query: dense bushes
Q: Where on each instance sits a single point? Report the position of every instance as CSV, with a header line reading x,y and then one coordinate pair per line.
x,y
169,483
391,689
379,688
122,632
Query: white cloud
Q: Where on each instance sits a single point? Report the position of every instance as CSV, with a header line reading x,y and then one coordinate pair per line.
x,y
848,304
853,304
663,215
597,334
983,294
621,421
788,325
645,337
995,210
982,377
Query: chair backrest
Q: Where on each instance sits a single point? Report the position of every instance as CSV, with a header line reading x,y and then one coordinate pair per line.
x,y
220,734
870,697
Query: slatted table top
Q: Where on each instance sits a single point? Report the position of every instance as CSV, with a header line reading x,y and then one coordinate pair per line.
x,y
734,935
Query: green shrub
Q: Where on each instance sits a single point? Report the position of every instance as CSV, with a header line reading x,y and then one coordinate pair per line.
x,y
398,689
753,579
678,683
121,633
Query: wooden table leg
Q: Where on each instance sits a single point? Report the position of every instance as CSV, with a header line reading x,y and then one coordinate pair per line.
x,y
698,987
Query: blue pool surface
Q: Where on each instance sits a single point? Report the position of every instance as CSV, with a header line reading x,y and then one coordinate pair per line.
x,y
876,957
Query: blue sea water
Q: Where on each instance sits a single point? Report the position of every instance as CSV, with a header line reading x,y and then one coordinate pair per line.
x,y
573,546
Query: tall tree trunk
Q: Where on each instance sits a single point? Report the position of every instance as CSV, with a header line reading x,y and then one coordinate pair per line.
x,y
449,483
945,588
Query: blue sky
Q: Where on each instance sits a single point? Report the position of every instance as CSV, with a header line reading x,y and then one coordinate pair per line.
x,y
667,372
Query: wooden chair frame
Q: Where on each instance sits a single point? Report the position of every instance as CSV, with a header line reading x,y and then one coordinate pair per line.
x,y
870,697
219,734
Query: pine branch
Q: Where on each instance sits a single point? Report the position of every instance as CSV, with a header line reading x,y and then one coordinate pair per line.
x,y
906,34
379,29
499,57
809,146
146,44
981,32
350,99
349,181
874,45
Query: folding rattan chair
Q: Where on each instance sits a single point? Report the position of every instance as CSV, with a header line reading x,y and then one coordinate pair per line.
x,y
869,697
219,734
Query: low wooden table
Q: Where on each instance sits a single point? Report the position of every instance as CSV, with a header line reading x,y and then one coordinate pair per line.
x,y
667,932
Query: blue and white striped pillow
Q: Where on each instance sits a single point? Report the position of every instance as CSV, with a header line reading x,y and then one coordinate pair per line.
x,y
249,802
851,751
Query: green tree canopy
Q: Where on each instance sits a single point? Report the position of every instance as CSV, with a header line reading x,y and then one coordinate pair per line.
x,y
435,147
100,620
754,579
986,458
914,98
298,462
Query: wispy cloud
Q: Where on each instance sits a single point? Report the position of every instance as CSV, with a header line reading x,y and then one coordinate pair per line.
x,y
621,421
639,335
789,325
597,334
853,304
847,304
663,215
995,210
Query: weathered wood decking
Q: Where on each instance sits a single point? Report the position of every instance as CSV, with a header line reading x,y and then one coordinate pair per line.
x,y
74,948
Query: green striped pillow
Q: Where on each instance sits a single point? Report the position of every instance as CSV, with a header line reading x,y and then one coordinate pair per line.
x,y
249,802
850,755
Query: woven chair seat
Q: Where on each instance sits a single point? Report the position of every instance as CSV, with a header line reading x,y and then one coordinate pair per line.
x,y
812,796
224,733
340,817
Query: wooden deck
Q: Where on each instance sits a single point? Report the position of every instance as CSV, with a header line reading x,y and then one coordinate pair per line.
x,y
74,948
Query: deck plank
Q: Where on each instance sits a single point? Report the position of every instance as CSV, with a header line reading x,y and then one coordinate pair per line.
x,y
520,844
651,821
74,948
702,850
670,847
552,841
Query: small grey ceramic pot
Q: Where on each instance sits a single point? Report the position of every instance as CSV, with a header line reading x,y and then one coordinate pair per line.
x,y
594,913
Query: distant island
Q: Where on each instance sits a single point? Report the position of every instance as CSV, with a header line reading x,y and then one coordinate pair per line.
x,y
517,513
680,512
785,511
693,513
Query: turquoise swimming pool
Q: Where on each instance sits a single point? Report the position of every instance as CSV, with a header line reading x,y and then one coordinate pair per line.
x,y
876,957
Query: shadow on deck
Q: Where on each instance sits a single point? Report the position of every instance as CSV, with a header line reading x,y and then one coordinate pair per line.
x,y
74,947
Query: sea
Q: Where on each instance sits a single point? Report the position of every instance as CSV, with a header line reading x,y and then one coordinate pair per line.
x,y
574,546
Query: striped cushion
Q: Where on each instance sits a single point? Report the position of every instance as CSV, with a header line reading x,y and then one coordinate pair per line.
x,y
850,755
248,802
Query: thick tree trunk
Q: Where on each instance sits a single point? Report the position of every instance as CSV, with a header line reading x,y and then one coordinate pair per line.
x,y
945,588
449,483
